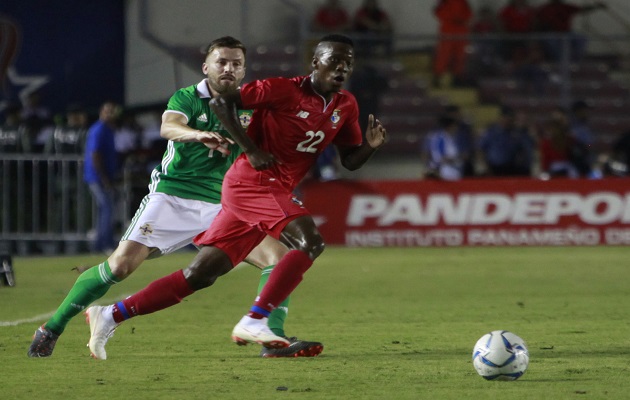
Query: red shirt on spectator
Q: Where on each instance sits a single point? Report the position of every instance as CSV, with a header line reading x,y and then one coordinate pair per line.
x,y
557,17
517,19
454,16
332,19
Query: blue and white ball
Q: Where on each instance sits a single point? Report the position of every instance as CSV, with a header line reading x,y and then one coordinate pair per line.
x,y
501,356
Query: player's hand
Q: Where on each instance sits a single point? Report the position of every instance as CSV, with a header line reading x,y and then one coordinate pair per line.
x,y
215,141
376,134
261,160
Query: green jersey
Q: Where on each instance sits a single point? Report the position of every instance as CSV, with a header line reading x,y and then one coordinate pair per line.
x,y
192,170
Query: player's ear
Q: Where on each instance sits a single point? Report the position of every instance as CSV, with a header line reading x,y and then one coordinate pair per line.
x,y
314,62
204,68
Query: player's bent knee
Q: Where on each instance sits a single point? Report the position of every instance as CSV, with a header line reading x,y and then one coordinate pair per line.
x,y
314,248
122,266
318,250
127,257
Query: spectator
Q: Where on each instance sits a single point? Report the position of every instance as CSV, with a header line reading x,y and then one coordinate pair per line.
x,y
100,172
375,28
37,120
33,108
555,150
507,147
13,137
454,17
618,163
579,119
69,138
327,165
485,21
440,154
464,140
556,16
331,17
517,18
583,135
128,136
153,144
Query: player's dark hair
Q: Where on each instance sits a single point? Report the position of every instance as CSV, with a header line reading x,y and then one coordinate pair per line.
x,y
336,38
226,41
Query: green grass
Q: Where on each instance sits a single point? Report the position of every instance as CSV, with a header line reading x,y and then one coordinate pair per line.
x,y
396,324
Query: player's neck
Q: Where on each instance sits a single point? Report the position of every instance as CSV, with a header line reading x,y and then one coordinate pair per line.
x,y
326,96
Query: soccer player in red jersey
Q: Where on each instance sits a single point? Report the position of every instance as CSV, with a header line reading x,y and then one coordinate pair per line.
x,y
294,120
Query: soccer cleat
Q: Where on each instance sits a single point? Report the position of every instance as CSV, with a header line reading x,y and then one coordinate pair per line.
x,y
297,348
252,330
43,343
100,331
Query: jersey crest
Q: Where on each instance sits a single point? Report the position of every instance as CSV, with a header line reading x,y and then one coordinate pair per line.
x,y
335,117
245,117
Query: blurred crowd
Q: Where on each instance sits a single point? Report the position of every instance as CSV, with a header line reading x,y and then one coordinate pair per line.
x,y
532,35
517,145
562,144
31,128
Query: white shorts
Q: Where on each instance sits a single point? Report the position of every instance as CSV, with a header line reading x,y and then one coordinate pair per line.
x,y
169,223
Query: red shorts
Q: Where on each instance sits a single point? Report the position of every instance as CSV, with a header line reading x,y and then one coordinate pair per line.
x,y
250,212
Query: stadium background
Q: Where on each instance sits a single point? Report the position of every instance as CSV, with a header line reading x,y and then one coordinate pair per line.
x,y
139,52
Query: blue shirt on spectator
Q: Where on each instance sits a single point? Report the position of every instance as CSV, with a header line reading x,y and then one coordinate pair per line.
x,y
100,139
507,151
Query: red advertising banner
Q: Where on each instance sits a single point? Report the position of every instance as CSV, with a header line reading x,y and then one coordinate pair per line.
x,y
477,212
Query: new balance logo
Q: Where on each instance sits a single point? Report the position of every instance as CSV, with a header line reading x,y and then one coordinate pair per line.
x,y
302,114
203,118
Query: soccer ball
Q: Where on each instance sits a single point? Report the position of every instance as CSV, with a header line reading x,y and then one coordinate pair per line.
x,y
501,356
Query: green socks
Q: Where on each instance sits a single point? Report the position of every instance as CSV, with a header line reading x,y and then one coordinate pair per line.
x,y
91,285
277,316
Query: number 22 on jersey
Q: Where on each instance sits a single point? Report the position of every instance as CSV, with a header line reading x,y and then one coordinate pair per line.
x,y
312,140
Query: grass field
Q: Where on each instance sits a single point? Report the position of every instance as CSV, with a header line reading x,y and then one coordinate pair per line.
x,y
396,324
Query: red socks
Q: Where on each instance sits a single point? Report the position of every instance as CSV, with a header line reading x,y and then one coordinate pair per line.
x,y
160,294
284,278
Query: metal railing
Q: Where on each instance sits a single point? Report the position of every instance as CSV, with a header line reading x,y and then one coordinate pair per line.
x,y
43,200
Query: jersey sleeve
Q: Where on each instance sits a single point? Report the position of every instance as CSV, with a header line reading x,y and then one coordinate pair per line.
x,y
350,133
270,93
181,102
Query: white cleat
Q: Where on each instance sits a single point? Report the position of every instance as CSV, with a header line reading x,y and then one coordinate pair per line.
x,y
252,330
101,329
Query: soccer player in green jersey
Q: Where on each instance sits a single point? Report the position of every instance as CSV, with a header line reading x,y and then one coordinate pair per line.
x,y
184,198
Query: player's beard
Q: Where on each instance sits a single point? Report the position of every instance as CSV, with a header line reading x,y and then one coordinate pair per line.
x,y
222,86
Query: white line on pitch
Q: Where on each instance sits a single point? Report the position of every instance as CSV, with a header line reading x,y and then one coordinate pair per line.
x,y
40,317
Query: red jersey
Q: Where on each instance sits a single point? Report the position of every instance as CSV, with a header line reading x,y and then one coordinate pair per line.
x,y
518,19
454,16
550,153
557,17
294,123
332,19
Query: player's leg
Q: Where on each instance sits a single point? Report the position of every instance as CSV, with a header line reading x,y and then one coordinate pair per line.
x,y
280,215
210,263
265,256
206,267
163,223
93,283
301,236
90,286
305,244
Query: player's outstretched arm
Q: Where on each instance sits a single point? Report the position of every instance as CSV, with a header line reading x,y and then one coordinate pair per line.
x,y
174,127
352,158
225,107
